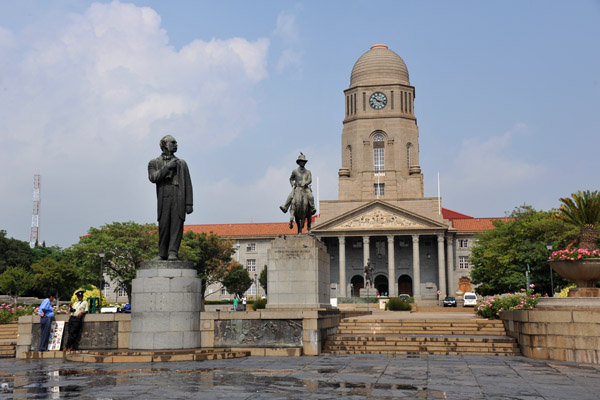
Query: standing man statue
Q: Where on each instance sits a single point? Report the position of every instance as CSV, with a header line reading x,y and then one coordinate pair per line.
x,y
369,271
174,195
300,178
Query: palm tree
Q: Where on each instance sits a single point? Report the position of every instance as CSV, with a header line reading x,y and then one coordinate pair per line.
x,y
582,209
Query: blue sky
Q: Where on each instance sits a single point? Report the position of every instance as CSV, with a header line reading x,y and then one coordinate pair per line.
x,y
507,102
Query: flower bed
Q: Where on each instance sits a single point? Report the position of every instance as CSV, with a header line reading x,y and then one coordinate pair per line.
x,y
9,313
574,254
492,307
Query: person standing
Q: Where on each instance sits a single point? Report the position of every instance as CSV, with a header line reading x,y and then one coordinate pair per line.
x,y
235,303
46,313
78,311
174,196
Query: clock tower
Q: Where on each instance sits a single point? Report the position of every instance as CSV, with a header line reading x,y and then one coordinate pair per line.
x,y
380,138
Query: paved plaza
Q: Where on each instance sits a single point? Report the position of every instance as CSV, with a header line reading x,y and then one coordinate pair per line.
x,y
322,377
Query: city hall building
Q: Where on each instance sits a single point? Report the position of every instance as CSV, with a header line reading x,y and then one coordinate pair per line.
x,y
381,217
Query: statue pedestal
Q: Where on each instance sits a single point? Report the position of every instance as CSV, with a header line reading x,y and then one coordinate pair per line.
x,y
367,292
298,274
165,306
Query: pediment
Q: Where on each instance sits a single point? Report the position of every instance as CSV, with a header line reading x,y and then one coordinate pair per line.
x,y
379,215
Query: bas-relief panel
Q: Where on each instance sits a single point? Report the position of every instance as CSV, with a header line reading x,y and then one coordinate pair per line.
x,y
94,336
258,333
378,218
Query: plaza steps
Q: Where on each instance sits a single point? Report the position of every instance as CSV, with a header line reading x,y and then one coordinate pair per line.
x,y
8,340
417,337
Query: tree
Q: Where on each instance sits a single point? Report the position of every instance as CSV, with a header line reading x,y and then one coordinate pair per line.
x,y
501,255
237,279
582,210
263,278
58,277
125,244
210,254
15,281
14,252
41,252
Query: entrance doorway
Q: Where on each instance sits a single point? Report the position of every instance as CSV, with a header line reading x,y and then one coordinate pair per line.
x,y
405,285
357,283
381,284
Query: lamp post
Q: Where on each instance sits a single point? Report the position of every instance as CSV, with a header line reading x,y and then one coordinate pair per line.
x,y
549,248
256,287
101,285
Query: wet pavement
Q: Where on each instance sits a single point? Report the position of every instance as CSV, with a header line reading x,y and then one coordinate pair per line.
x,y
322,377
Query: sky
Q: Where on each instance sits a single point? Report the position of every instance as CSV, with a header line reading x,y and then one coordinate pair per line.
x,y
507,103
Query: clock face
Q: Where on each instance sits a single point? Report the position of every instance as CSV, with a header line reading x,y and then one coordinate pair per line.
x,y
378,100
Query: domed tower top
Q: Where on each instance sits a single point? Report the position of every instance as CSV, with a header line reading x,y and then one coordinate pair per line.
x,y
378,66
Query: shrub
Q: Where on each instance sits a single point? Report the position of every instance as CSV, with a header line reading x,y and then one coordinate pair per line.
x,y
9,313
90,291
259,304
491,308
397,304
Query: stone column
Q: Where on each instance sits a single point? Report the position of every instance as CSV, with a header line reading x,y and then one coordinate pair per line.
x,y
416,268
342,259
441,265
450,252
391,268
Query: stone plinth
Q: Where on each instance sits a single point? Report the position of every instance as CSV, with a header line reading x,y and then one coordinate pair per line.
x,y
165,306
298,274
367,292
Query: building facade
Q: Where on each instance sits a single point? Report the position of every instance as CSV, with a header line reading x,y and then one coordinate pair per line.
x,y
381,217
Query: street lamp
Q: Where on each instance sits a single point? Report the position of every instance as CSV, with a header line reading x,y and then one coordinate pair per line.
x,y
255,287
549,248
101,255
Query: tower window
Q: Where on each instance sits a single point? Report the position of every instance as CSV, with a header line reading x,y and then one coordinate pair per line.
x,y
379,189
378,152
392,99
408,148
349,155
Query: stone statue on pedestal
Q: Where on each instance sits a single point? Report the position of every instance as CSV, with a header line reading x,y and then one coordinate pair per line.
x,y
369,271
301,199
174,196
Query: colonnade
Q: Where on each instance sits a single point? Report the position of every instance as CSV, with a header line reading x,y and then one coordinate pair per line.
x,y
445,269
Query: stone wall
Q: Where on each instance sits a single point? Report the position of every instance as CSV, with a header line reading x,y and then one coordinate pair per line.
x,y
100,332
270,332
559,333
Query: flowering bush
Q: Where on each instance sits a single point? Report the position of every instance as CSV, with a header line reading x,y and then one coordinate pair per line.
x,y
524,300
574,254
9,313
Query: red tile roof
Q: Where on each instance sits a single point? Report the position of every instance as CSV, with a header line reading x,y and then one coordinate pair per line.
x,y
476,224
449,214
234,230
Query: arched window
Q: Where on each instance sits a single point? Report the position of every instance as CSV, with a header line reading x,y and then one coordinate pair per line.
x,y
378,152
408,149
349,156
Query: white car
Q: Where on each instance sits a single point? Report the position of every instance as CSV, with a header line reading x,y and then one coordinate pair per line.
x,y
470,299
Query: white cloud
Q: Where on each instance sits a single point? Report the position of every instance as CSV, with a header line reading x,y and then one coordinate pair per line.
x,y
287,31
491,163
87,102
287,28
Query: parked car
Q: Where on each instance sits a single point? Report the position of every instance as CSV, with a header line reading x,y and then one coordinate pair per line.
x,y
449,302
470,299
404,297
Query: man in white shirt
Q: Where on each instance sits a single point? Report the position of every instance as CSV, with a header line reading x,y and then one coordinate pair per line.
x,y
78,311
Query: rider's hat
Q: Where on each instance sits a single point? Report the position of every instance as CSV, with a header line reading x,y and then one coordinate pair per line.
x,y
301,157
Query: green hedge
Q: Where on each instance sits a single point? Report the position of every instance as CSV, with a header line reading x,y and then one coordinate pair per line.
x,y
397,304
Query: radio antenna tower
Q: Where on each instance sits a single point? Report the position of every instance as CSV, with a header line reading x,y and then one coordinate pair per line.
x,y
35,217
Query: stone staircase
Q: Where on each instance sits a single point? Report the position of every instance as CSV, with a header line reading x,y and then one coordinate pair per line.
x,y
8,340
416,337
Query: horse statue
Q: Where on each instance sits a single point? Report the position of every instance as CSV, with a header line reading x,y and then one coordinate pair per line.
x,y
300,210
